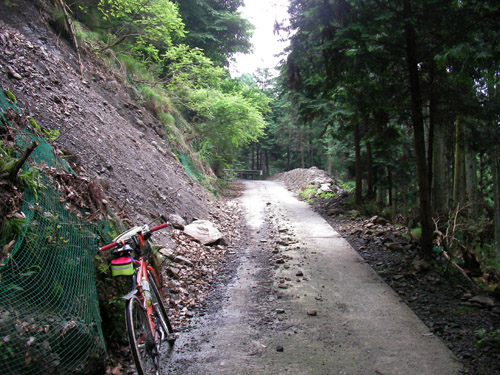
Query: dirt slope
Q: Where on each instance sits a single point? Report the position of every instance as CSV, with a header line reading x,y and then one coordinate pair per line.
x,y
104,131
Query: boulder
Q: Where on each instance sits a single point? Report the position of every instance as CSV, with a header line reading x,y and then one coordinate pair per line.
x,y
203,231
379,220
176,221
324,188
167,252
394,246
334,212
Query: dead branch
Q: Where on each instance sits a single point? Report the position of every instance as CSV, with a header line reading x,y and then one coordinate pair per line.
x,y
12,175
462,271
71,30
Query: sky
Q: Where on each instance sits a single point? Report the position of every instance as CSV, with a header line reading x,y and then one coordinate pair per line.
x,y
262,14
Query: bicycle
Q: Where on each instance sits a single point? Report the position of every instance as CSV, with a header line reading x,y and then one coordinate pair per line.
x,y
146,317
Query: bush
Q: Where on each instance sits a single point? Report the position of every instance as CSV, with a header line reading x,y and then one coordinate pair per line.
x,y
306,193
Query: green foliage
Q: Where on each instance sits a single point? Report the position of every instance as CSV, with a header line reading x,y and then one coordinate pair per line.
x,y
226,122
145,40
326,195
11,96
216,27
348,186
464,311
10,228
29,177
152,24
189,68
369,209
416,232
49,134
306,193
310,190
487,338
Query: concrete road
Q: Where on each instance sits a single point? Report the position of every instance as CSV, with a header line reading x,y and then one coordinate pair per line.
x,y
302,301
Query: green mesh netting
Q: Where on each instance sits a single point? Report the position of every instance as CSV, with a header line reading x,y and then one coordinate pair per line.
x,y
49,314
190,168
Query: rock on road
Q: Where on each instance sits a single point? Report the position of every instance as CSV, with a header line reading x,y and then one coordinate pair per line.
x,y
302,301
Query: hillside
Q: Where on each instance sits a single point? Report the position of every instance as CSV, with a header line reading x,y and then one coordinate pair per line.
x,y
105,132
119,150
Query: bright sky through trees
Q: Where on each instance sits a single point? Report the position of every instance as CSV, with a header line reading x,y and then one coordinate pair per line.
x,y
262,14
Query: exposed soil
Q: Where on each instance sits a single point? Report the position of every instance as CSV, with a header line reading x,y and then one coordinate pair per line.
x,y
106,133
451,306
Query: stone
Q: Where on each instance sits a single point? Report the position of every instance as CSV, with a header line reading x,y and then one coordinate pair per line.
x,y
334,212
173,271
312,312
483,300
324,188
379,220
183,260
394,246
280,349
420,266
299,273
203,231
354,213
176,221
167,253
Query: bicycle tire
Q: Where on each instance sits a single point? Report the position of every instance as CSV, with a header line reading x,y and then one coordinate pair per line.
x,y
141,339
158,306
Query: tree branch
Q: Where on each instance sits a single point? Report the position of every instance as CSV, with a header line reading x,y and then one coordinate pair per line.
x,y
12,175
117,42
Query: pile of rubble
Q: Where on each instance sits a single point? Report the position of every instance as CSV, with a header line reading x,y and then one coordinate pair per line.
x,y
191,258
380,232
299,179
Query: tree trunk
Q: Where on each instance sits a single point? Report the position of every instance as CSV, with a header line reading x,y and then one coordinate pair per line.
x,y
459,181
302,149
471,183
311,148
357,150
370,194
496,198
266,160
392,194
329,166
258,164
381,197
418,133
253,156
432,128
440,185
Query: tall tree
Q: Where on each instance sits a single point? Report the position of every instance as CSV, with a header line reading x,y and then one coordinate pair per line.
x,y
217,27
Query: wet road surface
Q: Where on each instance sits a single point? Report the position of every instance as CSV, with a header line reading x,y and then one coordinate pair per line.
x,y
300,300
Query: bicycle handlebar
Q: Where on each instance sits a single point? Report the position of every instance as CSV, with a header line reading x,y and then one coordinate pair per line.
x,y
114,244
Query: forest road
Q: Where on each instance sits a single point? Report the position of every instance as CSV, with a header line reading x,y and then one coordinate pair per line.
x,y
299,300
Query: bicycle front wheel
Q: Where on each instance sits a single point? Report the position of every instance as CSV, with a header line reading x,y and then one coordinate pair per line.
x,y
142,342
158,306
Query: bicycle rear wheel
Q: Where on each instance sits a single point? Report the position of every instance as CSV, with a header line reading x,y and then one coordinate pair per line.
x,y
142,342
158,306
